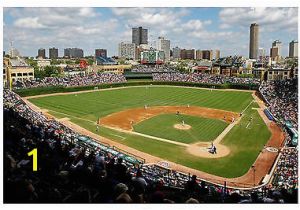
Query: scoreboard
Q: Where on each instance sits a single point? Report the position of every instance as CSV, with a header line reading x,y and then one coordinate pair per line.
x,y
152,57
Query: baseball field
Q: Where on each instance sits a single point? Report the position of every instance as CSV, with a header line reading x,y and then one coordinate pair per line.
x,y
167,122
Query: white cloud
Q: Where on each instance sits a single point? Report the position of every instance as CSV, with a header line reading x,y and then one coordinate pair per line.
x,y
29,22
87,12
270,18
194,24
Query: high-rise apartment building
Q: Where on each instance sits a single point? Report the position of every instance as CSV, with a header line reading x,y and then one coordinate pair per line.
x,y
198,54
41,53
164,45
176,53
217,54
73,53
207,54
187,54
293,49
254,41
275,51
53,53
139,36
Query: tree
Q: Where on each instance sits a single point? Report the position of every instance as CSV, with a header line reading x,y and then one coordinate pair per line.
x,y
39,73
56,62
51,71
121,61
32,62
90,61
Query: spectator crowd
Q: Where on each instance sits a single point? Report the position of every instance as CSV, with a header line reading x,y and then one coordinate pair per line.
x,y
71,171
203,78
152,69
282,99
71,81
286,172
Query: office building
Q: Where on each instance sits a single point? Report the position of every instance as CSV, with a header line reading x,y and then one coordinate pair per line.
x,y
207,54
254,41
277,44
53,53
198,54
41,53
293,49
73,53
187,54
139,36
164,45
217,54
275,51
127,50
176,53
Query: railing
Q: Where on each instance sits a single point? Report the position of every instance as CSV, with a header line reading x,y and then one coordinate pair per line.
x,y
140,159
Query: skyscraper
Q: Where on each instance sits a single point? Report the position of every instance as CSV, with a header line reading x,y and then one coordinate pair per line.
x,y
293,49
164,45
139,36
42,53
53,53
254,41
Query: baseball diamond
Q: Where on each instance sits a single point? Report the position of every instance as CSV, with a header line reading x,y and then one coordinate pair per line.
x,y
242,145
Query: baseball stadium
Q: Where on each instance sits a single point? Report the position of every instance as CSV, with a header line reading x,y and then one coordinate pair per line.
x,y
178,132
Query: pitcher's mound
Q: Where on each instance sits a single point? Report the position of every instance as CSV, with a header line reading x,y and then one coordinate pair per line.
x,y
182,127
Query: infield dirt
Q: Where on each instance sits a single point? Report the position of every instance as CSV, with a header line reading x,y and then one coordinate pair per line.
x,y
125,119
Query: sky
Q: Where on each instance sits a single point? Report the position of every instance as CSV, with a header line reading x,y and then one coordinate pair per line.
x,y
226,29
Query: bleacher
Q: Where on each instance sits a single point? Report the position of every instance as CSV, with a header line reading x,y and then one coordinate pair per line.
x,y
105,61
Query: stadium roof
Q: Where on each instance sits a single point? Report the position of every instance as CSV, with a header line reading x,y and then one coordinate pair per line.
x,y
18,62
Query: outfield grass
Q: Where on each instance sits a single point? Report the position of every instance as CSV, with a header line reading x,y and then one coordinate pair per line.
x,y
245,144
98,104
202,129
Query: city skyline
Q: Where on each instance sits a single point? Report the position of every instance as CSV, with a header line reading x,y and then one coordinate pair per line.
x,y
226,29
